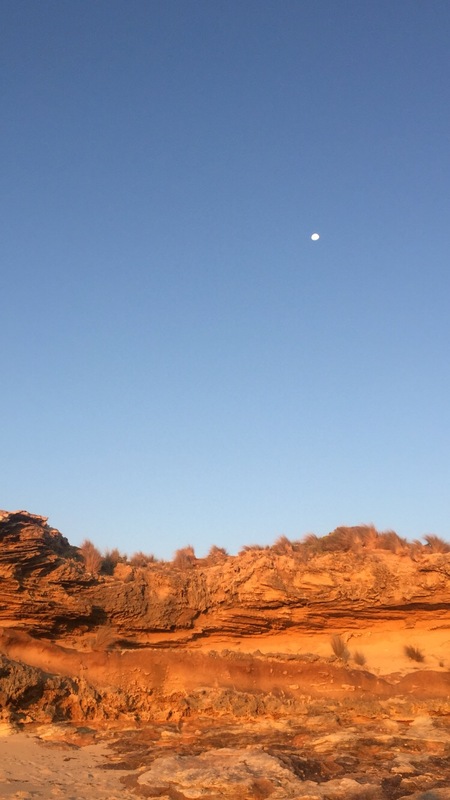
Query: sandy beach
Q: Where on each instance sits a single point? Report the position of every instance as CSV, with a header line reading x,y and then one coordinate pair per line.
x,y
34,769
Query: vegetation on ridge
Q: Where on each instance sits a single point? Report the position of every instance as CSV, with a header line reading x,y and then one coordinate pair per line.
x,y
355,539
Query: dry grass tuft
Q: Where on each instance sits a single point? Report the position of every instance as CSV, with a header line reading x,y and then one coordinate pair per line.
x,y
339,648
359,658
216,555
282,546
91,556
184,558
250,548
111,559
389,540
434,544
141,559
414,653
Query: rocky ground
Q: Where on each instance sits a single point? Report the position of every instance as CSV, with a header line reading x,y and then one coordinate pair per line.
x,y
307,673
387,749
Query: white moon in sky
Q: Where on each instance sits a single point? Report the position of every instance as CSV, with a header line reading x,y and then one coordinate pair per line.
x,y
315,237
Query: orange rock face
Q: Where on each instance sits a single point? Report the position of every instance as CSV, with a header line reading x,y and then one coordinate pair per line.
x,y
313,643
46,590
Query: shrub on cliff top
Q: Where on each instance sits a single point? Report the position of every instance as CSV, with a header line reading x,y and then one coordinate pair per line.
x,y
110,561
216,555
282,546
389,540
184,558
91,556
341,540
252,548
434,544
141,559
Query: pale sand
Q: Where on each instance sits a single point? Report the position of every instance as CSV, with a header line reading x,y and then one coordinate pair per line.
x,y
31,769
382,643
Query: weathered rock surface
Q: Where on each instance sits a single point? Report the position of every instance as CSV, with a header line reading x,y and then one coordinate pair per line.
x,y
216,678
45,589
42,578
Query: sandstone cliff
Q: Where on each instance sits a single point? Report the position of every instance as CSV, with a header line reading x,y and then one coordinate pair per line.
x,y
46,590
304,645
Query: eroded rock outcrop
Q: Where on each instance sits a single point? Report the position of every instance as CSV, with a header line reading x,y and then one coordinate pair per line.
x,y
221,676
42,578
45,589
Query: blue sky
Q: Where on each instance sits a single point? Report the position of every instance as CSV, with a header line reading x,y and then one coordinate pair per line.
x,y
180,363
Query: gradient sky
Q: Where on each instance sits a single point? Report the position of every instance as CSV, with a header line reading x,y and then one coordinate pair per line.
x,y
181,364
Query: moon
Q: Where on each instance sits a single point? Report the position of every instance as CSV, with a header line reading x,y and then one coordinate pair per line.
x,y
315,237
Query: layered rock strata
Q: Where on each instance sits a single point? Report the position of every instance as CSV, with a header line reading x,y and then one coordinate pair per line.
x,y
46,590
